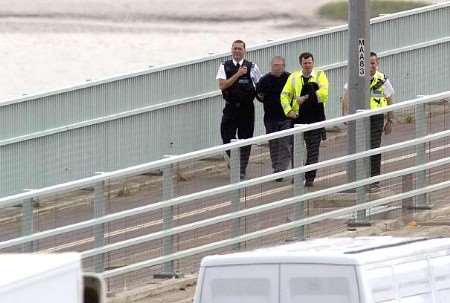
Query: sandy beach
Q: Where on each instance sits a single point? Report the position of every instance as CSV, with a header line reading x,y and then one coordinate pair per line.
x,y
46,45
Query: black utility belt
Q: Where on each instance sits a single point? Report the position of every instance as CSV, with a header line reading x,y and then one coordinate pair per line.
x,y
238,104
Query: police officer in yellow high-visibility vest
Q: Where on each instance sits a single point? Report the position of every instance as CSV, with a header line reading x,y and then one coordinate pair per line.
x,y
381,93
302,99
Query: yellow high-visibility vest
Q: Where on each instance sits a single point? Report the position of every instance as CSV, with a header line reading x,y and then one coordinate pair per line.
x,y
293,89
377,97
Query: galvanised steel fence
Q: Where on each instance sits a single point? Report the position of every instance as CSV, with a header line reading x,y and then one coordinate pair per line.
x,y
131,225
107,125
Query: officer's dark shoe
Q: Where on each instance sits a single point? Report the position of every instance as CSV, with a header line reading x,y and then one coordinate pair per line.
x,y
323,133
278,179
309,183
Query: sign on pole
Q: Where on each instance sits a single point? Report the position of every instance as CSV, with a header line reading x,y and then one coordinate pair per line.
x,y
361,58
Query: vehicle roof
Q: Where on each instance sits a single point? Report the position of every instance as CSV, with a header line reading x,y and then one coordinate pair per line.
x,y
339,251
19,267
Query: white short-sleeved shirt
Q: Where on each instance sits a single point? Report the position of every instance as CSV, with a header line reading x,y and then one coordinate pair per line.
x,y
388,89
255,73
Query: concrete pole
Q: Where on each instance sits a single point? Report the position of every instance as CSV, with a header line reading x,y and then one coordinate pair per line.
x,y
358,69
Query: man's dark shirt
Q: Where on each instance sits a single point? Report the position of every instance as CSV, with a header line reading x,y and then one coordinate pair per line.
x,y
270,87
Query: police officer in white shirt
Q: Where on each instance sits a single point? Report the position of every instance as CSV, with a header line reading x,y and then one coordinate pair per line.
x,y
237,81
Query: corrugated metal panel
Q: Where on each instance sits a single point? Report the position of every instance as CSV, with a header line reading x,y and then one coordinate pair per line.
x,y
420,72
159,85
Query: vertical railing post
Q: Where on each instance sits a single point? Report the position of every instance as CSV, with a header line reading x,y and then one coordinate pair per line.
x,y
362,166
27,223
407,185
168,191
235,196
299,156
421,131
99,229
408,210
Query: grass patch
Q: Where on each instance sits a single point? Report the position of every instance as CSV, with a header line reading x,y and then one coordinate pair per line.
x,y
339,10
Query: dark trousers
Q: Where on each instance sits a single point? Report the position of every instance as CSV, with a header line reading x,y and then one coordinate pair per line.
x,y
312,140
240,120
280,149
376,130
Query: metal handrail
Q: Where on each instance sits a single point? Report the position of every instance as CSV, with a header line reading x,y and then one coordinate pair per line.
x,y
142,168
240,185
262,208
256,181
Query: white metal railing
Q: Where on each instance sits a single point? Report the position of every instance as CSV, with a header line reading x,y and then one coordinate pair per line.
x,y
173,160
30,236
236,186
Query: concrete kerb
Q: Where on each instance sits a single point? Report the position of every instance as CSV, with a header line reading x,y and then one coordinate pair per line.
x,y
382,226
159,289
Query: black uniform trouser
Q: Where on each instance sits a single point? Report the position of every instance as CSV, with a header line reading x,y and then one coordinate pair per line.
x,y
280,149
376,130
241,120
312,140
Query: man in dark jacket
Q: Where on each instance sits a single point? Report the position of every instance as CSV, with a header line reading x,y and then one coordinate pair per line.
x,y
303,98
268,91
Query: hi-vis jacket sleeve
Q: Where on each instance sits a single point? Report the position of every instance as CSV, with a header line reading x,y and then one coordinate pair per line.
x,y
287,95
322,93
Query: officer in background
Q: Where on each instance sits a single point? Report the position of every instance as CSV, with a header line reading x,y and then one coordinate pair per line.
x,y
303,99
268,91
381,93
237,81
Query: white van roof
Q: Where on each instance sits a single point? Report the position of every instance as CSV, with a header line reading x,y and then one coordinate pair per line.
x,y
339,251
18,268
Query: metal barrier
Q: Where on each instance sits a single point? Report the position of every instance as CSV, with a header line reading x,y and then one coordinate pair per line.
x,y
138,136
92,236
